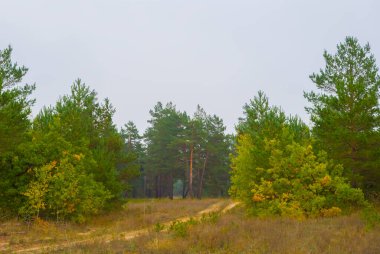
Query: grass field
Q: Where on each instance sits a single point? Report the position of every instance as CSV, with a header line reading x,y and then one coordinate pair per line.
x,y
136,214
230,232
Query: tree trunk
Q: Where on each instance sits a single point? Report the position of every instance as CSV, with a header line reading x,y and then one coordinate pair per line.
x,y
202,176
184,185
196,186
144,186
171,186
158,186
185,175
191,172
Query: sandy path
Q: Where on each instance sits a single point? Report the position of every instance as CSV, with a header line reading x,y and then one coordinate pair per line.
x,y
128,235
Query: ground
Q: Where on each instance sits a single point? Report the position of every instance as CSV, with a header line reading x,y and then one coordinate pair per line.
x,y
190,226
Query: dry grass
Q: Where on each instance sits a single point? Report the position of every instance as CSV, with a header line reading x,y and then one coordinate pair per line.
x,y
134,215
234,232
144,213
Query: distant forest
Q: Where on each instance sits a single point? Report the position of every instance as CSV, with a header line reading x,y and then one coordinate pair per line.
x,y
71,161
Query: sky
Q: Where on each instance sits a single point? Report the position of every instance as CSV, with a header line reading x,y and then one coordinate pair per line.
x,y
215,53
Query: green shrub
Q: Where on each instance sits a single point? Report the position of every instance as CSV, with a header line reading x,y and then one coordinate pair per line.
x,y
211,218
158,227
370,216
179,228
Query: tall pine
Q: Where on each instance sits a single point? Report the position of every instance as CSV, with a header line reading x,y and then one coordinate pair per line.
x,y
345,111
15,108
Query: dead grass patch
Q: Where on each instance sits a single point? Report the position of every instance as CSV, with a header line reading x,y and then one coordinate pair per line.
x,y
136,214
234,232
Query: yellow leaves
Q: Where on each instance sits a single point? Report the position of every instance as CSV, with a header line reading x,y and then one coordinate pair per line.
x,y
258,197
70,207
285,196
309,150
78,157
263,192
326,180
291,209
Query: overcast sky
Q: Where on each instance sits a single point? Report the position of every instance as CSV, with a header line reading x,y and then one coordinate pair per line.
x,y
214,53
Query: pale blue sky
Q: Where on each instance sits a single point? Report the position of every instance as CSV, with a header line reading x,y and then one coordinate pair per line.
x,y
214,53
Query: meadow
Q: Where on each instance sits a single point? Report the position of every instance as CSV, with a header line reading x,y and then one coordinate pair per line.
x,y
176,226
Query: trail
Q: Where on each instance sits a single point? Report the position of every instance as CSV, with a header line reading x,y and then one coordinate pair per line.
x,y
126,235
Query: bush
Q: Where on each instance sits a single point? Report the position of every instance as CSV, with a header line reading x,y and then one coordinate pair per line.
x,y
158,227
370,216
179,228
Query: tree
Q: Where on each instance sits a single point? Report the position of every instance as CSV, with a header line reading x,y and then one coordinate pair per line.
x,y
276,172
261,122
86,123
214,177
15,108
192,150
64,189
196,140
346,112
79,139
14,103
163,154
132,138
209,152
135,151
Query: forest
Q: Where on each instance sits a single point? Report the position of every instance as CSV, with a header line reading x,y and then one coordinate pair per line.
x,y
71,163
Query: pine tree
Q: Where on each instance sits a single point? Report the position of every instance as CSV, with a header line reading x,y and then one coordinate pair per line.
x,y
15,108
163,149
346,112
135,157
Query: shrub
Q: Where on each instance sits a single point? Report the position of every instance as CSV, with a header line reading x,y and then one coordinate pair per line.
x,y
158,227
211,218
179,228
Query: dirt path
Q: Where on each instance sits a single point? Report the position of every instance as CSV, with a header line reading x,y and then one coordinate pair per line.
x,y
128,235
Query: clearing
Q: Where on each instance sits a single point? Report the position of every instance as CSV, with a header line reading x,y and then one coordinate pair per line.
x,y
137,218
191,226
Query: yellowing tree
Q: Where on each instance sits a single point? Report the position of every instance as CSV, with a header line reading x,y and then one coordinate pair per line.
x,y
276,172
65,190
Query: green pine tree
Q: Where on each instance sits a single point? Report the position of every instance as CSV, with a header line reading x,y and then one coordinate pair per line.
x,y
346,112
15,108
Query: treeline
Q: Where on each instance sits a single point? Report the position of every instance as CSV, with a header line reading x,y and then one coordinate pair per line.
x,y
71,161
183,155
283,167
